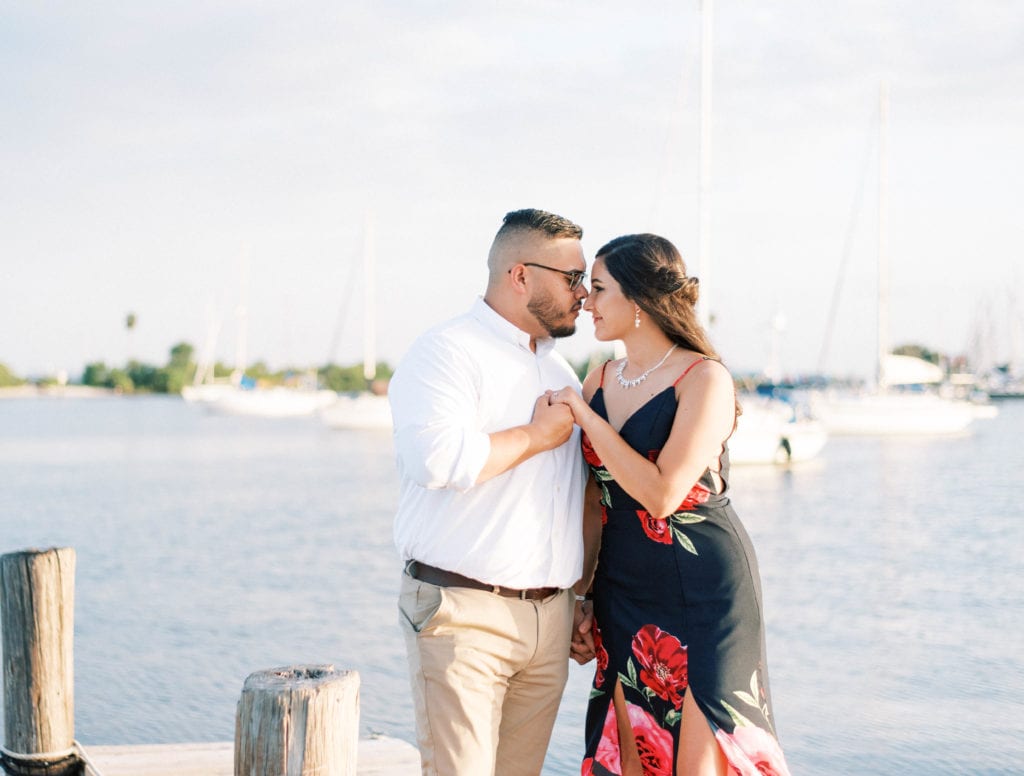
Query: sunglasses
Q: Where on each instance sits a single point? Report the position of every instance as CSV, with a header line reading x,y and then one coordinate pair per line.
x,y
576,276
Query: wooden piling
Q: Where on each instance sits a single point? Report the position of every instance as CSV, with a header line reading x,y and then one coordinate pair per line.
x,y
298,721
38,593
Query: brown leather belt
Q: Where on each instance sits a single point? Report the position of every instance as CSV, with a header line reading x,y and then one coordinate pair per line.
x,y
435,576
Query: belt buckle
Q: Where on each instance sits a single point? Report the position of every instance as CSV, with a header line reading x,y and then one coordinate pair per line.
x,y
523,594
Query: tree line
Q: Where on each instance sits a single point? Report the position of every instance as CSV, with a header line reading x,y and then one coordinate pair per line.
x,y
180,370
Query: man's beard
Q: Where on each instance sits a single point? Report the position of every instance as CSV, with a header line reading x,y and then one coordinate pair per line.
x,y
548,315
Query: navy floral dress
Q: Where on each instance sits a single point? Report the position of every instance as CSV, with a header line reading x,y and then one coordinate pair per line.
x,y
677,609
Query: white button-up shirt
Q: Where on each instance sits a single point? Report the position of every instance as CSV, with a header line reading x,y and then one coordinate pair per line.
x,y
461,381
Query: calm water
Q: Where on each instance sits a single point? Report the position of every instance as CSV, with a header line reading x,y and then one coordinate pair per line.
x,y
210,547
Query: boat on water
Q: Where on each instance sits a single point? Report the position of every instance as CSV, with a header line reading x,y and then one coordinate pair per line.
x,y
359,410
242,395
369,409
899,403
983,407
773,431
892,413
769,431
1003,384
276,402
207,393
907,401
1009,392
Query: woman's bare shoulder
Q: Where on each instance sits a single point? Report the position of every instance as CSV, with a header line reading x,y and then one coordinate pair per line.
x,y
593,380
706,376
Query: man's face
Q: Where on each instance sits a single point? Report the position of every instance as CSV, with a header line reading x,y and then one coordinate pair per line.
x,y
553,304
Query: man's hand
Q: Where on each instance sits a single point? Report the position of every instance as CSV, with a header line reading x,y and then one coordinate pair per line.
x,y
549,428
551,424
582,648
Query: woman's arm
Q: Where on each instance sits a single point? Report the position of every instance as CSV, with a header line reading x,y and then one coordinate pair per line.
x,y
704,418
591,535
582,648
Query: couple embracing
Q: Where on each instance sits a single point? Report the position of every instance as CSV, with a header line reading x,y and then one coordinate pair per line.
x,y
539,520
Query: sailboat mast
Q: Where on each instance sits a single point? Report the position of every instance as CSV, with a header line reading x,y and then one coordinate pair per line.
x,y
369,296
704,187
883,233
242,319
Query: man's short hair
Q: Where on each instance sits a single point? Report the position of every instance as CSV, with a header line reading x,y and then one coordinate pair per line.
x,y
539,221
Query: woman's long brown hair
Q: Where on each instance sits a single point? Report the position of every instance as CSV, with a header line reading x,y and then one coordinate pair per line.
x,y
652,275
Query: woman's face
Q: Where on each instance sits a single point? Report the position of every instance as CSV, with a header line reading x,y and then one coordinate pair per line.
x,y
613,314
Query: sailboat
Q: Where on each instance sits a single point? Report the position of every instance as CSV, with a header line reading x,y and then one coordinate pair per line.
x,y
276,402
887,410
205,388
775,427
769,431
772,431
241,396
363,409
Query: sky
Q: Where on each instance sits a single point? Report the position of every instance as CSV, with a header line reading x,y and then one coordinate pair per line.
x,y
186,161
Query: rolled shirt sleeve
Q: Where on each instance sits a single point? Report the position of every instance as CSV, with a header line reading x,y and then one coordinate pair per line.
x,y
438,440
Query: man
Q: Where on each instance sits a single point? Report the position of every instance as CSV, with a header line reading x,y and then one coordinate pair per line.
x,y
490,504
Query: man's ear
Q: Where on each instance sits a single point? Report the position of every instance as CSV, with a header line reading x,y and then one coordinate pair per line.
x,y
517,278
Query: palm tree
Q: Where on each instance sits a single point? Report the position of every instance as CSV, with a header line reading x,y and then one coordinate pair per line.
x,y
129,324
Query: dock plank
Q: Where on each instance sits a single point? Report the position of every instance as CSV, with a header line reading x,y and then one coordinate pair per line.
x,y
380,756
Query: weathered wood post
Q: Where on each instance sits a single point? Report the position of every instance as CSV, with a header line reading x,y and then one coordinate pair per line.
x,y
38,619
298,721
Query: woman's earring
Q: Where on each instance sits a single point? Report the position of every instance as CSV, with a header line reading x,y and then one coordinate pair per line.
x,y
636,318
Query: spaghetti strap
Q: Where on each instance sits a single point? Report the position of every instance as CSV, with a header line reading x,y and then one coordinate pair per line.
x,y
686,372
603,367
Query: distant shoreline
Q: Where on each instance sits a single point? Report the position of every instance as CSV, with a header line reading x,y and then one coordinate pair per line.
x,y
55,392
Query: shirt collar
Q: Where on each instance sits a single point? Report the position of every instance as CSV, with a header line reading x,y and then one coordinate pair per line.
x,y
506,330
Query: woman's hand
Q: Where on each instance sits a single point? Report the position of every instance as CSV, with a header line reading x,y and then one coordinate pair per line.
x,y
569,397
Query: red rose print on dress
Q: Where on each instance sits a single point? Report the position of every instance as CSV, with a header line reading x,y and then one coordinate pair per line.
x,y
607,753
601,474
589,454
602,656
752,751
665,530
663,663
654,528
653,744
698,495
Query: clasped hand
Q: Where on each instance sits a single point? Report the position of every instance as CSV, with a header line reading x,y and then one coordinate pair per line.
x,y
570,398
554,414
582,648
552,422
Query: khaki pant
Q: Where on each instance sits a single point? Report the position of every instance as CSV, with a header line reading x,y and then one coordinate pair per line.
x,y
487,676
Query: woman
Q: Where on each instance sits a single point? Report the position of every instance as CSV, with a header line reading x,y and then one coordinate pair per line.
x,y
681,686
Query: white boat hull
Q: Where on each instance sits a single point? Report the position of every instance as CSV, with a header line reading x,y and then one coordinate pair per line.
x,y
273,402
207,393
358,411
892,414
768,433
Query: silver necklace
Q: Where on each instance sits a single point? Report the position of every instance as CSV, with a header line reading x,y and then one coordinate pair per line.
x,y
625,382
